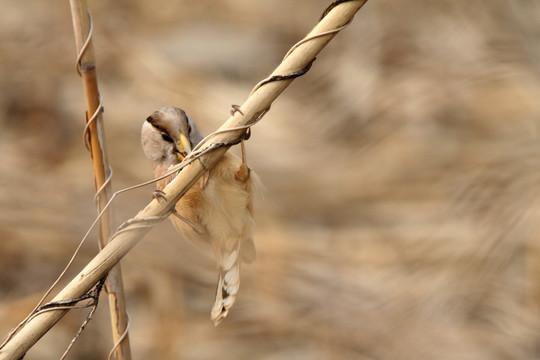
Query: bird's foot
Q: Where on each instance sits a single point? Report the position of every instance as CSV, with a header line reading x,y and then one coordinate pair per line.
x,y
236,108
159,194
242,173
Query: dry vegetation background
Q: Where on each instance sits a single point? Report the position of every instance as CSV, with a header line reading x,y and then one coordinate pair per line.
x,y
401,217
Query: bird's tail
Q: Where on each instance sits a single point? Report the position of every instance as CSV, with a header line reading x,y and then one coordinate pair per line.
x,y
228,283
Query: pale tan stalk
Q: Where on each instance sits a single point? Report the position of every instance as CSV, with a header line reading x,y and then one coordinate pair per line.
x,y
87,68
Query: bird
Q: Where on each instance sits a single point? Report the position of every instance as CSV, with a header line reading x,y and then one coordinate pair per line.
x,y
217,210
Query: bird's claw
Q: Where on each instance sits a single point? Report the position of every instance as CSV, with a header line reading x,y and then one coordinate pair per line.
x,y
159,194
236,108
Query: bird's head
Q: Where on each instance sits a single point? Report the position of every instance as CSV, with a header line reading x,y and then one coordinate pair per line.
x,y
168,135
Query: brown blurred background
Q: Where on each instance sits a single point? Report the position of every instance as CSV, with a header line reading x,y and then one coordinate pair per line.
x,y
401,217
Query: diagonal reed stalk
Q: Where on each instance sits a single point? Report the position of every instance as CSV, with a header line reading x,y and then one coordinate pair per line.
x,y
255,105
96,140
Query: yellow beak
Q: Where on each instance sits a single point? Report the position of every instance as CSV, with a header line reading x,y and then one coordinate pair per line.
x,y
183,147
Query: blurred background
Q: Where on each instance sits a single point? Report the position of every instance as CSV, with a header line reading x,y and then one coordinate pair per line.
x,y
401,217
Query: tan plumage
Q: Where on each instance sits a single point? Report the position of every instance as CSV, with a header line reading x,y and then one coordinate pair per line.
x,y
217,210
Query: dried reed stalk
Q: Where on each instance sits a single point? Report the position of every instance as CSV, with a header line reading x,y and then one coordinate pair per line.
x,y
96,139
256,104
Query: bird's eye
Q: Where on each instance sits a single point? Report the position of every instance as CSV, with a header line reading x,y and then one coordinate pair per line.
x,y
166,137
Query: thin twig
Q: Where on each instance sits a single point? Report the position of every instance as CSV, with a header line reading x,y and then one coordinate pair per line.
x,y
94,295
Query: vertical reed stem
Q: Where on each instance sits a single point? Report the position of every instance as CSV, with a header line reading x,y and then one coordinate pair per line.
x,y
96,140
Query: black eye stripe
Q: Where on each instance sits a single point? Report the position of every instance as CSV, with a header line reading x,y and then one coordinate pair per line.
x,y
166,137
158,127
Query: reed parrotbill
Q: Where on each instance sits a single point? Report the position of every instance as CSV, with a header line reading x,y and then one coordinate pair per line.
x,y
217,210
